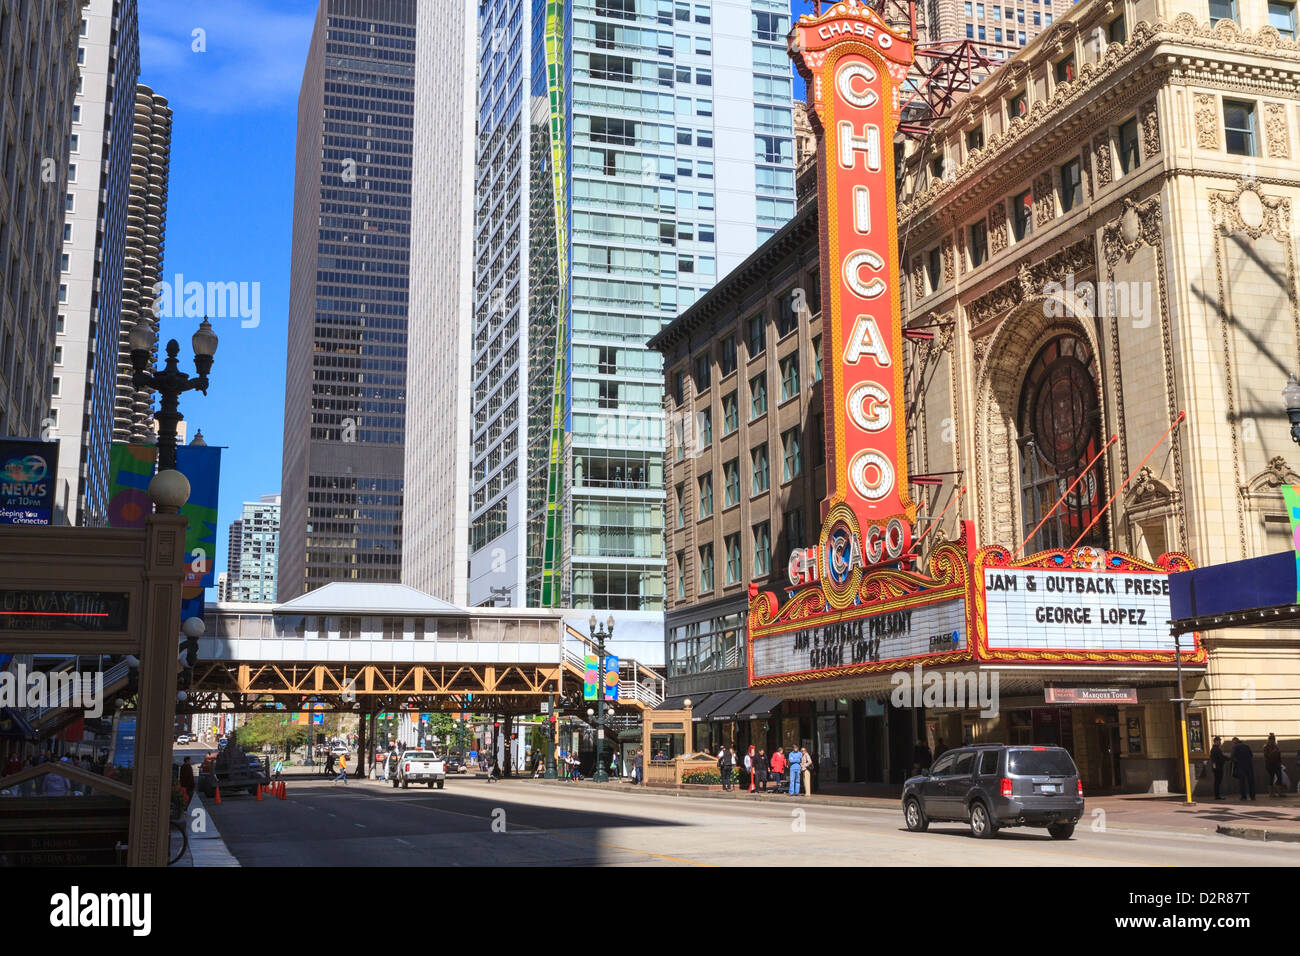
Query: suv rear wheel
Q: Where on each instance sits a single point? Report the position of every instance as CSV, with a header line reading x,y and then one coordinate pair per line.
x,y
915,816
981,823
1061,831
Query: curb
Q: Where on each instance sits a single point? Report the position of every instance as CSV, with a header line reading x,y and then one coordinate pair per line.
x,y
859,803
1259,833
208,848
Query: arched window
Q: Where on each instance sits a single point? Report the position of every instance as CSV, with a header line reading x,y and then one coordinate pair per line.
x,y
1060,432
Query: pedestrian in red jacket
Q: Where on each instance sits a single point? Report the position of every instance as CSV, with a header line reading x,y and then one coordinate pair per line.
x,y
778,766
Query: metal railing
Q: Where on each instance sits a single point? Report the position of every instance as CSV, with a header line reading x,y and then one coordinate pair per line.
x,y
68,692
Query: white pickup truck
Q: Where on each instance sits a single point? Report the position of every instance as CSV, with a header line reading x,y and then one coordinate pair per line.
x,y
419,766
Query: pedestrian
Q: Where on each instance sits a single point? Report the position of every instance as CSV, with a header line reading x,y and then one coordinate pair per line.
x,y
777,766
638,768
343,769
807,764
277,770
329,763
1243,760
751,766
1217,761
13,764
939,748
796,770
613,765
724,767
760,770
921,759
186,777
1273,767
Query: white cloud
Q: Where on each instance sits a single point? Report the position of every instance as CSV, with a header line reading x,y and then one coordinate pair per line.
x,y
255,52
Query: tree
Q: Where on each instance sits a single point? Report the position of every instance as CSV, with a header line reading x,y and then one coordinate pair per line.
x,y
274,729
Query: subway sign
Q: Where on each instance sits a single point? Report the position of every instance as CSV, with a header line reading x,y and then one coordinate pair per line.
x,y
853,65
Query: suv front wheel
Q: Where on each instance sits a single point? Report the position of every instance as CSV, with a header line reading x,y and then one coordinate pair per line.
x,y
981,823
915,816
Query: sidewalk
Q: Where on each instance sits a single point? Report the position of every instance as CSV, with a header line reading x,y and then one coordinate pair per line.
x,y
206,846
1267,818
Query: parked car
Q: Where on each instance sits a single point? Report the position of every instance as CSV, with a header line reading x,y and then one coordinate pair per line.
x,y
419,766
184,738
992,786
455,765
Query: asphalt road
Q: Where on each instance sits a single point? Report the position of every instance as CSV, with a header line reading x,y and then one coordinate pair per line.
x,y
519,823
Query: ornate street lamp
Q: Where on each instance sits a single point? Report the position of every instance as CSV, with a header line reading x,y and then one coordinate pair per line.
x,y
171,382
600,636
1291,397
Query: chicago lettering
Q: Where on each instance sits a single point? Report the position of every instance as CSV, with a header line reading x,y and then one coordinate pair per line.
x,y
878,544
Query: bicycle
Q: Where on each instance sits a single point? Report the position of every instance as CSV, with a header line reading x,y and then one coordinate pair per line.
x,y
180,840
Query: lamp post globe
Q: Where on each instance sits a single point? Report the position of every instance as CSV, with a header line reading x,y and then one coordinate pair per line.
x,y
1291,399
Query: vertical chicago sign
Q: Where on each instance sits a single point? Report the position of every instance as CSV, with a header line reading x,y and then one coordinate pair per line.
x,y
853,65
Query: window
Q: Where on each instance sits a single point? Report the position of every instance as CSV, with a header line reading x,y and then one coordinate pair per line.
x,y
727,356
757,396
681,575
1020,16
1022,208
758,460
733,558
1038,19
1128,146
793,459
790,376
1281,17
988,762
757,334
997,34
974,139
1020,37
731,483
817,359
57,386
730,414
762,549
1017,105
680,491
794,529
1065,70
978,243
787,315
936,167
979,7
392,629
679,388
981,33
706,428
967,7
706,496
702,369
1116,31
970,31
1222,10
1071,184
706,568
349,628
1239,127
67,232
1059,426
74,143
934,268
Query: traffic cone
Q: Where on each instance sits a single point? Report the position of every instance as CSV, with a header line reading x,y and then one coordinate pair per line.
x,y
259,793
218,795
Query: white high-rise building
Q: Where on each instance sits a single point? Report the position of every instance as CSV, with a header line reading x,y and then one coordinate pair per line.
x,y
628,153
253,560
435,510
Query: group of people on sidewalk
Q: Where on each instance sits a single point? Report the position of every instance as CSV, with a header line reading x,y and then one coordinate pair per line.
x,y
1240,759
757,769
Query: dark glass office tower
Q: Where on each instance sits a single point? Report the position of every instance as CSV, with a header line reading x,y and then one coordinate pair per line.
x,y
345,394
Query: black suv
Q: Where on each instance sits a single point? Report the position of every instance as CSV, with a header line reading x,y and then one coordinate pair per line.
x,y
993,786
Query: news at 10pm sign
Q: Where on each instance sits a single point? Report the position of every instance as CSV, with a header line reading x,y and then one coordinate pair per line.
x,y
1076,610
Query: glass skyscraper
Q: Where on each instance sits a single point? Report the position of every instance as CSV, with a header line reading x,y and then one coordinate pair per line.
x,y
345,396
629,153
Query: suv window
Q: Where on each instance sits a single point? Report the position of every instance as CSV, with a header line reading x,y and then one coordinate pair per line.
x,y
1054,762
943,765
965,763
989,761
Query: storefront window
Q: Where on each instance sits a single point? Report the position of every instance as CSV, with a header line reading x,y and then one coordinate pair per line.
x,y
1060,433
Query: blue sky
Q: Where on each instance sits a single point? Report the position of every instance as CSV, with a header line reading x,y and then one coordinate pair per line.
x,y
230,208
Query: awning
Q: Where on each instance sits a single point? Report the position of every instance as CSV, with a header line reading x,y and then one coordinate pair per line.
x,y
679,703
735,705
714,705
760,706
